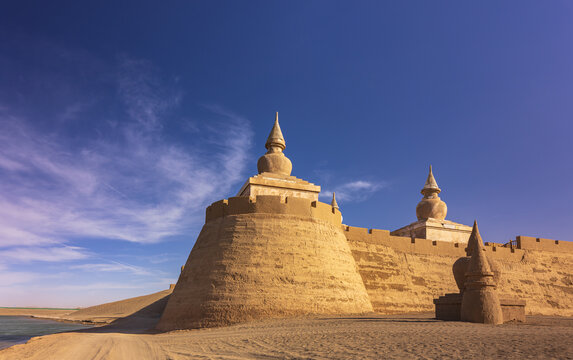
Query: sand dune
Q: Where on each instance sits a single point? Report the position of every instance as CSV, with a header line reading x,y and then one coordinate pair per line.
x,y
367,337
147,308
361,337
147,305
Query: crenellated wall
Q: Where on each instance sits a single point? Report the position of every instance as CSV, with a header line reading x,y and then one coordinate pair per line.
x,y
272,204
402,274
531,243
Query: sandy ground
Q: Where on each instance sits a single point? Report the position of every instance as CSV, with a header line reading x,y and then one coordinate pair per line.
x,y
364,337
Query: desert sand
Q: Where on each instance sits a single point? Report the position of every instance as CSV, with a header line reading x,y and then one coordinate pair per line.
x,y
131,335
361,337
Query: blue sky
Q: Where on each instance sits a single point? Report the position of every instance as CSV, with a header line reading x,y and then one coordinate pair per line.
x,y
121,121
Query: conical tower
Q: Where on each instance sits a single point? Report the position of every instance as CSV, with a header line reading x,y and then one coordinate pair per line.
x,y
461,266
250,260
480,302
431,206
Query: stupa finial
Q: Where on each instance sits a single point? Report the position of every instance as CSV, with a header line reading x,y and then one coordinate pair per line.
x,y
431,186
276,138
334,203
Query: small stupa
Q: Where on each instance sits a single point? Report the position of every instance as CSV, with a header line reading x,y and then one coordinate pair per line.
x,y
480,302
460,267
431,213
477,277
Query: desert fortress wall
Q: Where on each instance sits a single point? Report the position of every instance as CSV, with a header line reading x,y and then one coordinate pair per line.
x,y
263,257
274,250
403,274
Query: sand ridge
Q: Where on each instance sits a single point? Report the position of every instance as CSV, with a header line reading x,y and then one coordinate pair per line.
x,y
145,308
108,312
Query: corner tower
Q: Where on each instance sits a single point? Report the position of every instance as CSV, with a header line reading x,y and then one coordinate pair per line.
x,y
272,251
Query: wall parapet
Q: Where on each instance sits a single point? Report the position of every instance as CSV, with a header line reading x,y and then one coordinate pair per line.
x,y
541,244
273,204
411,245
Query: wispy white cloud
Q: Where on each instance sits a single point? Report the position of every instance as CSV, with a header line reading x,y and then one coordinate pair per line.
x,y
146,98
82,166
98,286
114,267
357,190
136,185
51,254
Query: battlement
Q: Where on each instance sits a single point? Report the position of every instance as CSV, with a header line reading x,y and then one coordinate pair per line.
x,y
273,204
412,245
540,244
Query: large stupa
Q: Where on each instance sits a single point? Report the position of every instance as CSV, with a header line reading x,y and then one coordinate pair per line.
x,y
272,251
431,213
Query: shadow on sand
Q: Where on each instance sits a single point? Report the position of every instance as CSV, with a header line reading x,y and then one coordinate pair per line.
x,y
140,322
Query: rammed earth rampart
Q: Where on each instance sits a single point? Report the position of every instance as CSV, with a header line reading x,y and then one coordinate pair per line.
x,y
264,257
403,274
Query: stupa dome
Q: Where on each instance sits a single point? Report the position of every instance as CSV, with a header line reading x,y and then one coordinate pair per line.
x,y
431,206
274,161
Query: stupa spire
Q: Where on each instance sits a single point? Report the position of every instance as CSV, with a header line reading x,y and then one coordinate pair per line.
x,y
431,206
333,203
276,138
275,161
431,186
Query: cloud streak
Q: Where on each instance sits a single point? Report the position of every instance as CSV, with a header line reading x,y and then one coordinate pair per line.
x,y
136,184
114,267
353,191
52,254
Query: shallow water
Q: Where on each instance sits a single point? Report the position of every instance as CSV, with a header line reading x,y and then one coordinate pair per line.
x,y
19,329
